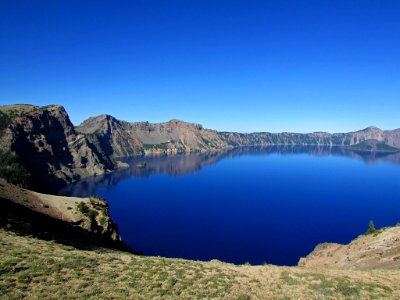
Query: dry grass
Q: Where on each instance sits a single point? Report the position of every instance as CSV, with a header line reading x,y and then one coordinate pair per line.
x,y
33,268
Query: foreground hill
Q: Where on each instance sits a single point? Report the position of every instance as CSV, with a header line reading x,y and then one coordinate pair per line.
x,y
41,149
380,250
34,268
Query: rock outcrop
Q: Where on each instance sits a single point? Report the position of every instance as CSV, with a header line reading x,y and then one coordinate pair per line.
x,y
48,147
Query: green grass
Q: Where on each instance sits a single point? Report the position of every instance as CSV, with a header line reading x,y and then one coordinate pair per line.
x,y
33,268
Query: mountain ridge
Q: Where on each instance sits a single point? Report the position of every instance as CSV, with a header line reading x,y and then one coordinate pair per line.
x,y
54,152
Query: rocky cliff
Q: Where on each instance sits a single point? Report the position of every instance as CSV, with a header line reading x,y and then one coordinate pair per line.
x,y
48,147
121,139
389,137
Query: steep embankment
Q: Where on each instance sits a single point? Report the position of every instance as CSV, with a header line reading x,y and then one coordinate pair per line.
x,y
47,146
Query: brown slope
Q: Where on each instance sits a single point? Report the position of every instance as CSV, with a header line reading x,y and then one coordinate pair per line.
x,y
367,252
57,218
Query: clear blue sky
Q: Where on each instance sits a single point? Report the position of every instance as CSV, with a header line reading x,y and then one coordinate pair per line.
x,y
231,65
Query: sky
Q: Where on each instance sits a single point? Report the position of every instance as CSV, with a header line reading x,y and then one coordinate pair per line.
x,y
246,66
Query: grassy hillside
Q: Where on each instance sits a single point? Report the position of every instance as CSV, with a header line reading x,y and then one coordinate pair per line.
x,y
34,268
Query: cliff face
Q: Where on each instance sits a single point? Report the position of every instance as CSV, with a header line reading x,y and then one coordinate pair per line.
x,y
389,137
121,139
47,145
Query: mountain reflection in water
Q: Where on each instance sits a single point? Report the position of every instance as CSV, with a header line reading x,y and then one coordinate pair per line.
x,y
188,163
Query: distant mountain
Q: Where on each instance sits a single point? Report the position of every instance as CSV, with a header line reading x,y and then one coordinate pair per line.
x,y
41,143
120,139
389,137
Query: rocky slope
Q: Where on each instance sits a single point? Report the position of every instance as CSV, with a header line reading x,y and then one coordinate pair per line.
x,y
120,139
48,147
389,137
78,221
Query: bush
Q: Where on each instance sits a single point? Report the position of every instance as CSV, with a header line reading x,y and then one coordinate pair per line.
x,y
371,228
82,207
92,214
103,221
11,170
5,120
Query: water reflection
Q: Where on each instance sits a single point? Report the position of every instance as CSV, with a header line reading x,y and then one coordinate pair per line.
x,y
189,163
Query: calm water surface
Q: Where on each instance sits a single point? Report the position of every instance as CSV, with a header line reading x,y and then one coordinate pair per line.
x,y
254,205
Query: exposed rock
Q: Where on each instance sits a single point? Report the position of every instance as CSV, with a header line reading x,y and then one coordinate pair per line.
x,y
389,137
47,145
123,139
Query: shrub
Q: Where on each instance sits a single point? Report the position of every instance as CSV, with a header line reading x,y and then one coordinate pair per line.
x,y
103,221
94,197
5,120
92,214
371,227
11,170
82,207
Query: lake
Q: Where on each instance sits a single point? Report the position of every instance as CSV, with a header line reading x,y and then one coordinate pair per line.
x,y
258,205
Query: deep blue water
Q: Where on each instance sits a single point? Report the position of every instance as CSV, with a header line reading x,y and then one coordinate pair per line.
x,y
254,205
